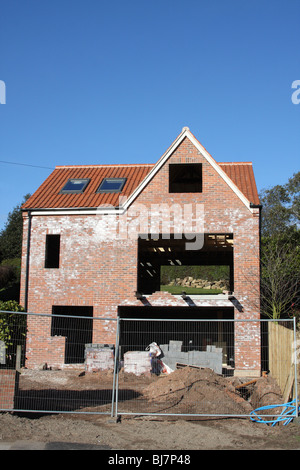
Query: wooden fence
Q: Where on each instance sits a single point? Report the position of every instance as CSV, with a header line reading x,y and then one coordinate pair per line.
x,y
281,358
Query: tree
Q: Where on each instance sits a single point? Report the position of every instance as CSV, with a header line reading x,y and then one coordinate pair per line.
x,y
11,235
280,277
280,252
10,254
281,208
293,188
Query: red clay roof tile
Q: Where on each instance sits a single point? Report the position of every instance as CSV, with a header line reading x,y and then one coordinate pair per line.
x,y
48,194
241,173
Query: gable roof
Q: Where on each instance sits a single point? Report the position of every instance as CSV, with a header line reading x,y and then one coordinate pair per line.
x,y
233,185
238,175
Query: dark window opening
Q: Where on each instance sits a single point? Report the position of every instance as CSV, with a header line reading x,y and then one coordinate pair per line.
x,y
52,251
76,325
75,185
111,185
185,178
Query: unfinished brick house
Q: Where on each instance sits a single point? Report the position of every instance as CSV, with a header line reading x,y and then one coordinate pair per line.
x,y
95,239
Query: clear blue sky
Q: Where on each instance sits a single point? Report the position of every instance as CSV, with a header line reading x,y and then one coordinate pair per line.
x,y
94,81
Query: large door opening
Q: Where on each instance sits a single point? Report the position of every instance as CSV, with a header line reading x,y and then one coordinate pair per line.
x,y
76,325
157,326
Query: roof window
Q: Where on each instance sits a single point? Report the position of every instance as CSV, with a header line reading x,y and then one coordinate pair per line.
x,y
111,185
75,185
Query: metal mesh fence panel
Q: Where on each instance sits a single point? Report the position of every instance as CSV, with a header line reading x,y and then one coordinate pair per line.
x,y
182,367
204,367
49,363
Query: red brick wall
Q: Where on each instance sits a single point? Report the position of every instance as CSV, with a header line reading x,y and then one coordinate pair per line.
x,y
103,272
7,388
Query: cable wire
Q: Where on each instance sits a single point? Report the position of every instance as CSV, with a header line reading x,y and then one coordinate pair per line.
x,y
27,164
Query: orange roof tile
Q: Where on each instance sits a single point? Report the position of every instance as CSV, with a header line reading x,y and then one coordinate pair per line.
x,y
48,195
241,173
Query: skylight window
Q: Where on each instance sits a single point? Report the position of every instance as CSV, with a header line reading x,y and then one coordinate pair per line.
x,y
75,185
111,185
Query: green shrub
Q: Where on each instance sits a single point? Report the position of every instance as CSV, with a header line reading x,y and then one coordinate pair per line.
x,y
12,325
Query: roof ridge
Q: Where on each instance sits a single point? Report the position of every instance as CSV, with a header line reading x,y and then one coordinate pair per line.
x,y
234,163
105,165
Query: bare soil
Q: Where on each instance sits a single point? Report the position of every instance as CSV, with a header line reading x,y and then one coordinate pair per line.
x,y
184,391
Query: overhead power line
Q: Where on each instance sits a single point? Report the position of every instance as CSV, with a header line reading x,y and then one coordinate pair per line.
x,y
27,164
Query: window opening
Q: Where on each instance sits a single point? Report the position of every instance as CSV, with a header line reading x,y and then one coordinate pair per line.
x,y
111,185
165,265
52,251
77,331
185,178
75,185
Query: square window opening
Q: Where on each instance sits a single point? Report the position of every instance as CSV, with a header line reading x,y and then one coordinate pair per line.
x,y
185,178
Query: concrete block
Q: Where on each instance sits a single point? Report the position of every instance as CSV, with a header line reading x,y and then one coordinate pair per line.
x,y
99,357
137,362
175,345
211,358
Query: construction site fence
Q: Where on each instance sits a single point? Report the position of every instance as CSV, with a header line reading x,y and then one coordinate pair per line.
x,y
154,366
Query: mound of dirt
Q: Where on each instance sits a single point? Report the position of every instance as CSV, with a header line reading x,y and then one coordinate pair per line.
x,y
266,392
191,390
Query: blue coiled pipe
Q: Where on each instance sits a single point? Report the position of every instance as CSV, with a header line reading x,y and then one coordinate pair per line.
x,y
286,416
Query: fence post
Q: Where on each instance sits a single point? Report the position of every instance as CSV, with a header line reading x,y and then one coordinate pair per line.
x,y
18,357
296,366
116,366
